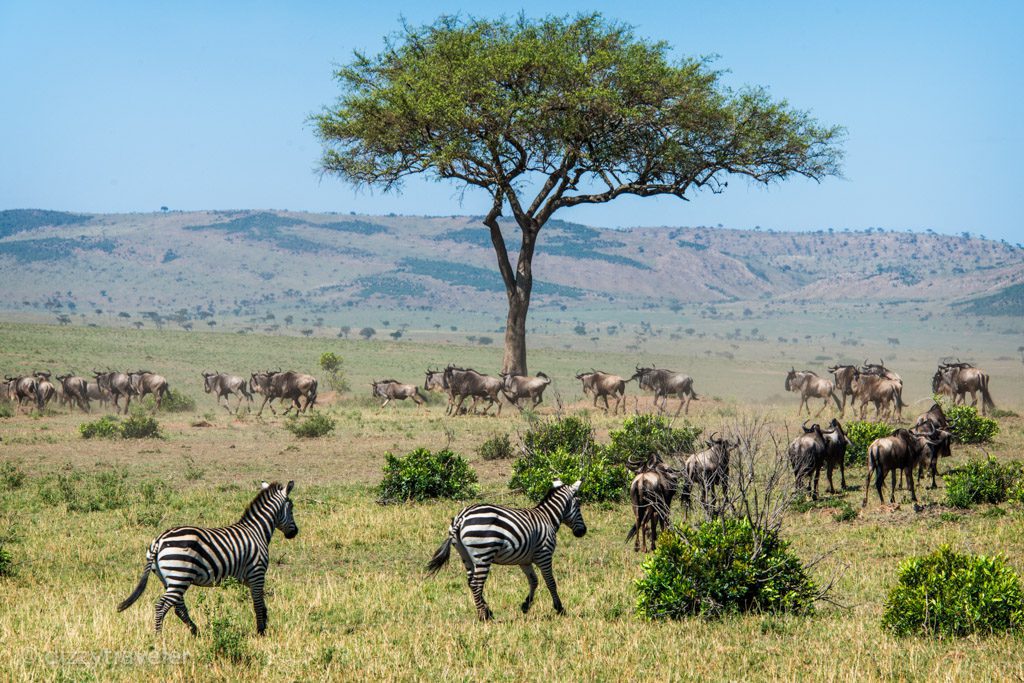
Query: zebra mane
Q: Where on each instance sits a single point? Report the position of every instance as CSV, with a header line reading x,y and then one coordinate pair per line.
x,y
265,493
551,493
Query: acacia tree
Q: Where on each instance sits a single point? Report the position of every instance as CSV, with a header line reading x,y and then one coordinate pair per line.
x,y
553,113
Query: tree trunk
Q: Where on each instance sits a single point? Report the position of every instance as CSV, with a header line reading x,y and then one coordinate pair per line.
x,y
514,361
518,286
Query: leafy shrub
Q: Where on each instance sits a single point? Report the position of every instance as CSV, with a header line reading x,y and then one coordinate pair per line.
x,y
107,427
845,513
173,402
982,481
230,642
970,427
313,426
953,594
11,476
421,475
861,434
140,427
79,492
573,433
603,480
331,363
643,435
6,562
6,408
498,447
721,567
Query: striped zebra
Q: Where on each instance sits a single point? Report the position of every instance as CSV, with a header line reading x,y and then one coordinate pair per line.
x,y
190,555
493,534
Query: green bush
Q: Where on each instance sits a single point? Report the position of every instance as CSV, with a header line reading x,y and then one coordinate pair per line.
x,y
6,562
229,642
952,594
140,427
642,435
603,480
331,363
861,434
573,433
983,481
313,426
421,475
722,567
970,427
498,447
173,402
107,427
11,476
6,408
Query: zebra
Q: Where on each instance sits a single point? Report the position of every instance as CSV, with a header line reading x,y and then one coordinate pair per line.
x,y
494,534
189,555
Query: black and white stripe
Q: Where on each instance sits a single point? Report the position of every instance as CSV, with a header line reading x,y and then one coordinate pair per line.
x,y
189,555
494,534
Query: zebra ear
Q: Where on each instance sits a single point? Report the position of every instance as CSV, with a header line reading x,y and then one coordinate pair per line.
x,y
557,483
265,485
576,487
288,489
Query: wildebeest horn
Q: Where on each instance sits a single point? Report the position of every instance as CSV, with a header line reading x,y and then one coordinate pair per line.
x,y
804,425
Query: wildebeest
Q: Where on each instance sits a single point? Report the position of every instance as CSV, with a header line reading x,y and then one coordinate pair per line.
x,y
284,385
881,387
709,469
602,385
941,448
518,387
463,382
45,391
935,417
119,385
650,494
845,376
665,383
392,389
146,382
817,447
97,393
900,452
434,382
75,389
23,389
810,386
958,379
223,385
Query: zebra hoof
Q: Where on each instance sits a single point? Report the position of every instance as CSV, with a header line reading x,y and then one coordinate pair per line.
x,y
485,614
525,607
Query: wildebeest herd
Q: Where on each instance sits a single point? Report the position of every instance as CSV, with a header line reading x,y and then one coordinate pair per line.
x,y
105,387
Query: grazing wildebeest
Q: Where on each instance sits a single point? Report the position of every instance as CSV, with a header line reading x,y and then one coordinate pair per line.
x,y
665,383
845,376
392,389
958,379
882,388
940,449
810,386
902,451
146,382
284,385
97,393
518,387
119,385
463,382
75,390
650,494
709,469
602,385
223,385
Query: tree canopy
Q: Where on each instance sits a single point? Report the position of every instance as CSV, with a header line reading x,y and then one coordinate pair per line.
x,y
544,114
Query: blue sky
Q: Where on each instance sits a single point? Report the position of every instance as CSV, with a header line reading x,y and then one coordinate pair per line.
x,y
127,106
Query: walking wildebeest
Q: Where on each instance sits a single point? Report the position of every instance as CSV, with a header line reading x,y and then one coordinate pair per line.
x,y
845,376
935,417
650,494
23,389
284,385
940,449
602,385
223,385
665,383
392,389
434,382
146,382
45,391
710,469
97,393
75,390
882,388
119,385
518,387
902,451
817,447
958,379
463,382
810,386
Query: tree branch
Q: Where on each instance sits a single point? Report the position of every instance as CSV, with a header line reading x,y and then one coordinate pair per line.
x,y
498,240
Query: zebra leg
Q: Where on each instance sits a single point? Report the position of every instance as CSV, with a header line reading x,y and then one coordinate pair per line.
x,y
531,577
182,611
172,597
258,605
549,581
477,576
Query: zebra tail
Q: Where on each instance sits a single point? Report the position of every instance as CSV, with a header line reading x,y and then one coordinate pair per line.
x,y
440,558
139,589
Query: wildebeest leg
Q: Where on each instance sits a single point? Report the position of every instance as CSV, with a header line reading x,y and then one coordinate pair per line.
x,y
386,401
910,483
842,472
127,402
823,406
817,476
531,579
892,487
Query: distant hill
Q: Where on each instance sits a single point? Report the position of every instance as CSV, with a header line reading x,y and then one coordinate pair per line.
x,y
200,264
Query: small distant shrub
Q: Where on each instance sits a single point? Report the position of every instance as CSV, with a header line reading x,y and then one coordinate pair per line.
x,y
845,513
173,402
603,480
954,594
642,435
983,481
11,476
107,427
1001,413
229,642
970,427
498,447
312,426
192,471
861,434
6,562
722,567
421,475
6,409
331,363
140,427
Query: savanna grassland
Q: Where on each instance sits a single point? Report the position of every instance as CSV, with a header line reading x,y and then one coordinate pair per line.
x,y
347,597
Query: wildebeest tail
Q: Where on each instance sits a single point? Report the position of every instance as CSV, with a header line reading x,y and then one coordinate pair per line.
x,y
312,395
632,532
986,398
